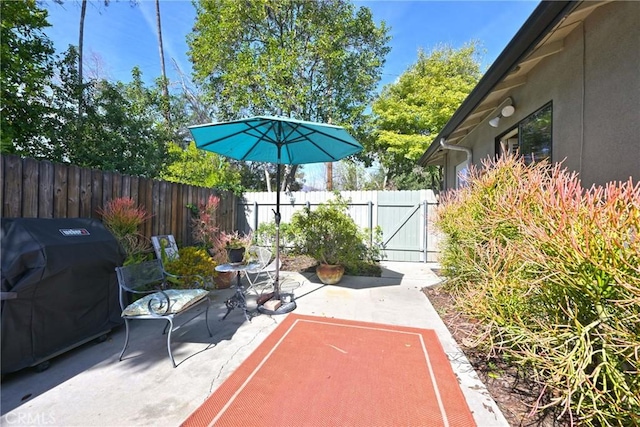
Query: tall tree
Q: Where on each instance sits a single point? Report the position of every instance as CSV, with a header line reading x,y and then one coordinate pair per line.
x,y
350,176
164,82
26,69
83,13
307,59
122,128
409,113
80,87
197,167
198,109
353,176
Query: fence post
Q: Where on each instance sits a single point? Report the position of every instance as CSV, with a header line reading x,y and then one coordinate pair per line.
x,y
426,230
255,216
370,203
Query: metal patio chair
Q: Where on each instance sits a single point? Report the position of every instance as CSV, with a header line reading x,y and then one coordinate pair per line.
x,y
165,247
264,274
159,301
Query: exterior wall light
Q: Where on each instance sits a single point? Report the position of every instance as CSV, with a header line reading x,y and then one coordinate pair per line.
x,y
506,111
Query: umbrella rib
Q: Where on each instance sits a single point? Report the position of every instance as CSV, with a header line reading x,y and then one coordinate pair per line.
x,y
264,135
261,136
332,137
300,138
311,131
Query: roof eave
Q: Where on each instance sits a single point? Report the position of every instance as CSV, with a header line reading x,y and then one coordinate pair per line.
x,y
541,21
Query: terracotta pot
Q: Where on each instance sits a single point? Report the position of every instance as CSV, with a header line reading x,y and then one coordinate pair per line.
x,y
223,279
329,274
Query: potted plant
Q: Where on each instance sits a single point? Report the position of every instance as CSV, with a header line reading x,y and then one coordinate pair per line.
x,y
236,246
330,236
220,253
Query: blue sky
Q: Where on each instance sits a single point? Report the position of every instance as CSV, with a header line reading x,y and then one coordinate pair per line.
x,y
124,36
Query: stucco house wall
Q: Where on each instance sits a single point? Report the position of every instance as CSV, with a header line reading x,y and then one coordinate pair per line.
x,y
612,107
594,86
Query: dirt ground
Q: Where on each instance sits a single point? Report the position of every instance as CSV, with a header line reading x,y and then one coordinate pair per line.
x,y
511,391
297,263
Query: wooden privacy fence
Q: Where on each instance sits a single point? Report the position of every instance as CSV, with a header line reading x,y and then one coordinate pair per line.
x,y
40,189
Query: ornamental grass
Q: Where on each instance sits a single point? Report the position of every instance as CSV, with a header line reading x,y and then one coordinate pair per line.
x,y
552,272
123,218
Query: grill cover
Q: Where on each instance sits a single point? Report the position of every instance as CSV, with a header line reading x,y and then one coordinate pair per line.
x,y
59,287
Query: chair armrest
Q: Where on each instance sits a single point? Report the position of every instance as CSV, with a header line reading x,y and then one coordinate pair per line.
x,y
159,304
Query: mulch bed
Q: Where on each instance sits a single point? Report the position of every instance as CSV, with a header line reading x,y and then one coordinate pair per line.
x,y
298,263
514,395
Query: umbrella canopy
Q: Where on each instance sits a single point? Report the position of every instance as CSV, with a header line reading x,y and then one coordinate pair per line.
x,y
276,140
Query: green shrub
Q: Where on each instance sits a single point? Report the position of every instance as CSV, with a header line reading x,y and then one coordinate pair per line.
x,y
363,268
586,251
330,235
265,235
193,264
552,271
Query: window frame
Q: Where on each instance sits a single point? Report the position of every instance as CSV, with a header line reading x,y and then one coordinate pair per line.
x,y
518,127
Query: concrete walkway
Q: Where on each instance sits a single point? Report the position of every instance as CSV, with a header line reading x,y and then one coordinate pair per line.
x,y
88,386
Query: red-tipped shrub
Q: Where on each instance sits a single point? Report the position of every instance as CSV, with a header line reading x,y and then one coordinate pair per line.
x,y
553,272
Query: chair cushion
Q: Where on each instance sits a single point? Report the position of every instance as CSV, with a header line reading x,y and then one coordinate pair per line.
x,y
180,299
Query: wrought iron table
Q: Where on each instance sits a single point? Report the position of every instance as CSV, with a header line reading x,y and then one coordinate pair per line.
x,y
238,299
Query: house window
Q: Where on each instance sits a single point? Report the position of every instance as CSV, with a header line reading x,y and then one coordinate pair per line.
x,y
462,172
531,138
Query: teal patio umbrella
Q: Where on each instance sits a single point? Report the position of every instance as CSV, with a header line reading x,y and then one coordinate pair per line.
x,y
276,140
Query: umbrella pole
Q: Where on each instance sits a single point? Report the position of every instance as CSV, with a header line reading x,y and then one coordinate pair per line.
x,y
276,281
